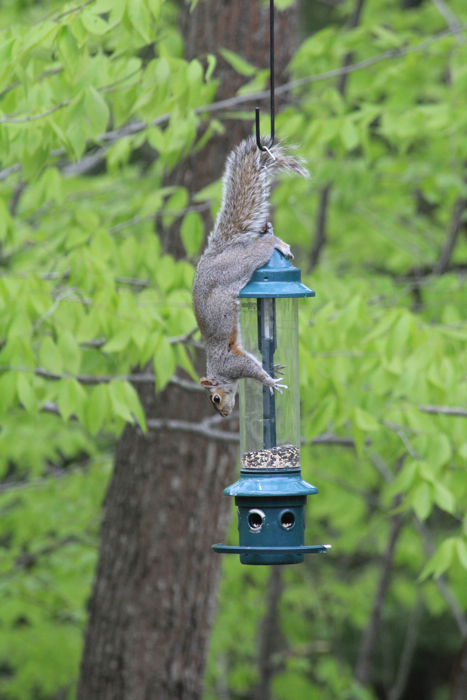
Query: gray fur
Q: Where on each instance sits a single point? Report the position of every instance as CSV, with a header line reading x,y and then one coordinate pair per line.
x,y
242,241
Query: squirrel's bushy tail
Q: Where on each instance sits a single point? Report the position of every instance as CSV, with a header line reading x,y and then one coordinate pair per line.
x,y
246,190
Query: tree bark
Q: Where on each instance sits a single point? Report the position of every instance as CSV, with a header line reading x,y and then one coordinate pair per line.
x,y
363,667
270,635
154,596
459,676
242,27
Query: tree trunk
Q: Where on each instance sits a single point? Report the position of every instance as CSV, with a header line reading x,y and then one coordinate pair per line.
x,y
242,27
459,676
154,595
363,667
270,640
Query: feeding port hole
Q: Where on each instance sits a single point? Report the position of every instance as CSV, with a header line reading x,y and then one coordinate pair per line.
x,y
256,519
287,519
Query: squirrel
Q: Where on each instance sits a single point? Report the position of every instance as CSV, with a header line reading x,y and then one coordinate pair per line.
x,y
242,241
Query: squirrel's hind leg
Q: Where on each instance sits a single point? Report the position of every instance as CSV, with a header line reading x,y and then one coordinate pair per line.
x,y
284,248
243,365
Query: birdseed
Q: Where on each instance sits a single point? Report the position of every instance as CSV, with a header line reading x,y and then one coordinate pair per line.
x,y
283,457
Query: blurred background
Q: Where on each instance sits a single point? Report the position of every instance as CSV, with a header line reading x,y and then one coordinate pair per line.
x,y
113,136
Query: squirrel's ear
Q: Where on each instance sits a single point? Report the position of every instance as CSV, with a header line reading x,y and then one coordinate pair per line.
x,y
207,383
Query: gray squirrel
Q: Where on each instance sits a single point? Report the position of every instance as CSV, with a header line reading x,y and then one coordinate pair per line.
x,y
242,241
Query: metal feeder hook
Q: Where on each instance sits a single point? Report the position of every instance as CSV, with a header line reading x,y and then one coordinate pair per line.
x,y
271,82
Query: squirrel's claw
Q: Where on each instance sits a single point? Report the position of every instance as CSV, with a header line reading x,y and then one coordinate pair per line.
x,y
278,369
277,386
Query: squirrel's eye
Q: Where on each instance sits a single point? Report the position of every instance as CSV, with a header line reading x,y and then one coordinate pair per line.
x,y
217,398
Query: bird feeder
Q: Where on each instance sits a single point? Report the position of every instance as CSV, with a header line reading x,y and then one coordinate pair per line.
x,y
271,494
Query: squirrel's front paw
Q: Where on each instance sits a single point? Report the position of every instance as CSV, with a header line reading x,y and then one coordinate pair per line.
x,y
284,249
278,387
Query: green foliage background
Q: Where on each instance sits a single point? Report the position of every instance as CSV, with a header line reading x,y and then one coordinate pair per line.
x,y
93,112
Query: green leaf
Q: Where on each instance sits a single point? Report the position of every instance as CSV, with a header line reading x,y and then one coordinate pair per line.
x,y
6,221
319,420
441,561
93,23
68,49
258,84
183,360
134,404
119,400
50,356
404,478
8,382
120,340
349,135
140,18
365,421
211,59
77,131
444,498
238,63
156,7
33,161
164,363
422,501
71,399
70,352
461,547
26,394
97,408
439,450
97,111
192,233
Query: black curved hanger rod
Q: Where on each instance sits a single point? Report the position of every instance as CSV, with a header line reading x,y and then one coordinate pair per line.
x,y
271,61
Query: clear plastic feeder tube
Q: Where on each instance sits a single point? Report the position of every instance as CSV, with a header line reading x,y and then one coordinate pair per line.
x,y
269,328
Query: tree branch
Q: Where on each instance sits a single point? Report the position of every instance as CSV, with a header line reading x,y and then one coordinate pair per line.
x,y
353,23
34,117
453,234
73,9
444,410
362,671
92,379
321,231
137,127
189,385
166,212
407,653
8,119
323,205
401,433
203,429
450,18
199,429
27,560
55,474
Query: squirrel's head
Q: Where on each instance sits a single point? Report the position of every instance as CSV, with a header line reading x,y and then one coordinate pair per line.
x,y
221,397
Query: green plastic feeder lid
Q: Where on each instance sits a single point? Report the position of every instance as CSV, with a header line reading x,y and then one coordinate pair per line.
x,y
278,279
269,485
